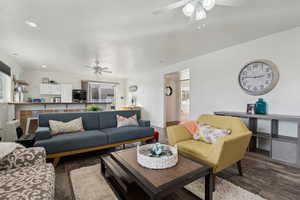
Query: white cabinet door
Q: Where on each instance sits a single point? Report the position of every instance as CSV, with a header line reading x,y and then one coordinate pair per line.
x,y
50,89
44,89
66,93
56,90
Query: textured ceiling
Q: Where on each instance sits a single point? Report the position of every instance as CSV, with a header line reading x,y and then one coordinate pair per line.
x,y
125,35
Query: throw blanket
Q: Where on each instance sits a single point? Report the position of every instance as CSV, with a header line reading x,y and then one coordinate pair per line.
x,y
7,148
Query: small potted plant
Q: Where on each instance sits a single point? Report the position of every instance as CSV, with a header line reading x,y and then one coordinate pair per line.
x,y
94,108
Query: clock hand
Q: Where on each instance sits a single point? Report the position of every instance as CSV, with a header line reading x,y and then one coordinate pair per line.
x,y
259,76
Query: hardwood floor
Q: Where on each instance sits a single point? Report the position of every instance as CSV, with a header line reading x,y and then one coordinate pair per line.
x,y
261,176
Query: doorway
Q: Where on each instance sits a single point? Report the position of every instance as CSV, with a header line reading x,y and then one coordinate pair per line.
x,y
177,97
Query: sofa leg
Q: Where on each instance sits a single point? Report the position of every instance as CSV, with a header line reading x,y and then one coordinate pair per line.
x,y
214,182
56,160
239,166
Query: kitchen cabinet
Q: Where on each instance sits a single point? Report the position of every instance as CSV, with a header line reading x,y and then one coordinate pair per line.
x,y
66,93
50,89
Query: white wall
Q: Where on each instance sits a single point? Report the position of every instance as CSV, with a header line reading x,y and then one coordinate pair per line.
x,y
34,78
214,78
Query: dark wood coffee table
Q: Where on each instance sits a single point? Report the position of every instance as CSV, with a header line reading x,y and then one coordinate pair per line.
x,y
159,183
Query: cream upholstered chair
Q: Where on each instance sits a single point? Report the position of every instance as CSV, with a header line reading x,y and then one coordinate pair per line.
x,y
223,153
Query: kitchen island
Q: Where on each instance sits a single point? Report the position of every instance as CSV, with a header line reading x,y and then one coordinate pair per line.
x,y
27,112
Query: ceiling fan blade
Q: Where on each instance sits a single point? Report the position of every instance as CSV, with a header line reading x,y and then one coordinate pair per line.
x,y
107,71
89,66
104,68
171,7
233,3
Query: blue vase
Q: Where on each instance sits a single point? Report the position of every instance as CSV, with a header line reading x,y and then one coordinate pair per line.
x,y
261,107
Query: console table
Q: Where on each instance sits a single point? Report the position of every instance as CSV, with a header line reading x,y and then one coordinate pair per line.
x,y
283,149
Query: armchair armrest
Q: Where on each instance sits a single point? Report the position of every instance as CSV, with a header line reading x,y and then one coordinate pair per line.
x,y
177,134
43,133
23,157
144,123
229,150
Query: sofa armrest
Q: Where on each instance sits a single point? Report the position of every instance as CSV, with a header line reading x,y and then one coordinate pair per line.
x,y
43,133
177,134
23,157
229,150
144,123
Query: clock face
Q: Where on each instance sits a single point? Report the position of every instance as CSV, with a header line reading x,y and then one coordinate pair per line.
x,y
258,77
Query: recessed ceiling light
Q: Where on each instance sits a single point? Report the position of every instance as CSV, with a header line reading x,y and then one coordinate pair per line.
x,y
31,24
44,66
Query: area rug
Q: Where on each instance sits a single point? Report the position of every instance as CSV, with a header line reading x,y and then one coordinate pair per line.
x,y
224,190
89,184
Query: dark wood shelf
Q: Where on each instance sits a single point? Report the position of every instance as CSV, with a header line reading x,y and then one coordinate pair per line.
x,y
262,135
282,148
268,116
285,138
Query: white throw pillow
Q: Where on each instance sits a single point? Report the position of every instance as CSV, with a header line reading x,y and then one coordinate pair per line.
x,y
58,127
130,121
209,134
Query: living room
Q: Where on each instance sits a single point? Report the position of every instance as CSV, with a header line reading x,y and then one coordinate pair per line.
x,y
102,68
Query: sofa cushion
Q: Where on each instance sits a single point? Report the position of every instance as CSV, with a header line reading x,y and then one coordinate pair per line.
x,y
109,119
73,141
90,119
116,135
196,149
34,182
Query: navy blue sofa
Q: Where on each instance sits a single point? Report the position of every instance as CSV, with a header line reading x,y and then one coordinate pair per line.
x,y
100,132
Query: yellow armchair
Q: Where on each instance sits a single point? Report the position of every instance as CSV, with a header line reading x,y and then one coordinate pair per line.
x,y
223,153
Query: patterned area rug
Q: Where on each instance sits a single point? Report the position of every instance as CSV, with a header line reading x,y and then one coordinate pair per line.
x,y
89,184
224,191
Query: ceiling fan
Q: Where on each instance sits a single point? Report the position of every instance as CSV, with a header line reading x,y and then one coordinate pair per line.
x,y
98,69
197,9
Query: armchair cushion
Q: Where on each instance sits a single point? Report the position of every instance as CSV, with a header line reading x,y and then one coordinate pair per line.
x,y
197,149
23,157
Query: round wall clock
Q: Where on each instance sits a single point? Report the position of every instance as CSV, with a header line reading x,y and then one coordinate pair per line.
x,y
169,91
133,88
259,77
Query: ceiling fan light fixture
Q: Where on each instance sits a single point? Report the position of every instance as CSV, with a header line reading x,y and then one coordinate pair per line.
x,y
208,4
200,13
189,9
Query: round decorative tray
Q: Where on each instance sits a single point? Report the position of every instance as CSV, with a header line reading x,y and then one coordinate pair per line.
x,y
167,159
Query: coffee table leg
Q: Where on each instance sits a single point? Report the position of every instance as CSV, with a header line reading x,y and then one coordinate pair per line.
x,y
102,167
209,187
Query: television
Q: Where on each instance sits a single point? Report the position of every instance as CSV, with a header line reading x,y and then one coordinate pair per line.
x,y
79,95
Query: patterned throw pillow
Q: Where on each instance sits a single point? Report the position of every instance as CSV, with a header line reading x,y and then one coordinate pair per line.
x,y
209,134
191,126
58,127
130,121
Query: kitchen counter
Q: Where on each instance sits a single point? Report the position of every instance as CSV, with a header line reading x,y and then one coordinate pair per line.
x,y
25,110
58,103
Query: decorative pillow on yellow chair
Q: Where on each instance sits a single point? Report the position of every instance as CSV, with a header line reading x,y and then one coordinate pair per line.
x,y
209,134
58,127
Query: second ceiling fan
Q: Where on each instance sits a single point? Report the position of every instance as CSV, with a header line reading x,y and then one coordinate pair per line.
x,y
197,9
